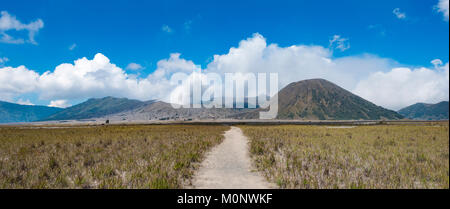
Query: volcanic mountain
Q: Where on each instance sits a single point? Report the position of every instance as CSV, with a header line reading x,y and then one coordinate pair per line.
x,y
319,99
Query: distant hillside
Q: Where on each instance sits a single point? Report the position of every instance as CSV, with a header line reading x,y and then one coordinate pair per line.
x,y
320,99
422,111
12,113
159,110
93,108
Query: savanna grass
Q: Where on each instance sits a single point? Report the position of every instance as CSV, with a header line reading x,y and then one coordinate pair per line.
x,y
114,156
387,156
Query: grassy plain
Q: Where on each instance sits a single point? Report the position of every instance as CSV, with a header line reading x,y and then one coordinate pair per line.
x,y
383,156
114,156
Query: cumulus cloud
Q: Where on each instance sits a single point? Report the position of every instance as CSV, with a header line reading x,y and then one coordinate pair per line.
x,y
339,43
442,7
166,29
398,14
91,78
401,87
175,64
9,22
95,78
16,81
62,103
377,79
134,66
296,62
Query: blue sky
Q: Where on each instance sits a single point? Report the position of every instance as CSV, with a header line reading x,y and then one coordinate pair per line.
x,y
146,32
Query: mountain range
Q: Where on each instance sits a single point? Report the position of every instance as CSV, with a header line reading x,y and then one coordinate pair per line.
x,y
94,108
314,99
11,113
422,111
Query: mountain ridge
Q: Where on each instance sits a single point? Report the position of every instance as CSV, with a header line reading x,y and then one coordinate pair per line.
x,y
424,111
13,113
96,107
312,99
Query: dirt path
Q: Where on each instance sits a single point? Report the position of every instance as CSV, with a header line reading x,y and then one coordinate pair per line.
x,y
228,166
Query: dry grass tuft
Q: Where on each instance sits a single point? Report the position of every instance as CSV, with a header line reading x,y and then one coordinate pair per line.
x,y
400,156
117,156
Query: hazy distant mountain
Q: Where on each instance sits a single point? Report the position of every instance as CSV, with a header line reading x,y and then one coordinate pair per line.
x,y
323,100
422,111
94,108
164,111
12,113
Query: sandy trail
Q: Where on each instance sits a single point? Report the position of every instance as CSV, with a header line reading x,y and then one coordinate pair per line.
x,y
228,166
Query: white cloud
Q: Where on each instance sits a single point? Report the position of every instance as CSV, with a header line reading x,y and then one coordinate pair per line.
x,y
9,22
339,43
24,102
175,64
166,29
294,63
443,7
72,47
16,81
366,75
91,78
398,14
401,87
59,103
134,66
